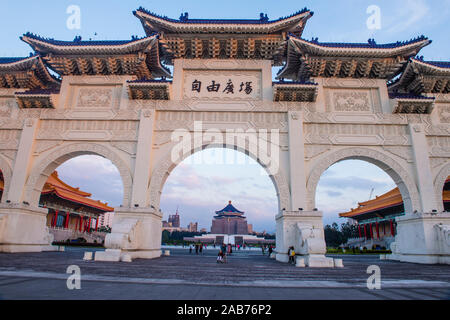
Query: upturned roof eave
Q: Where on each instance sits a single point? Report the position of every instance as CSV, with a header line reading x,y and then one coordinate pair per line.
x,y
43,45
358,50
151,22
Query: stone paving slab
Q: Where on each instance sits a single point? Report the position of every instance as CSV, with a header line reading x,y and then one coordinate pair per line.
x,y
252,275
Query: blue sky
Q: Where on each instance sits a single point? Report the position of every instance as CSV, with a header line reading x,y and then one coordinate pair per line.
x,y
200,190
343,20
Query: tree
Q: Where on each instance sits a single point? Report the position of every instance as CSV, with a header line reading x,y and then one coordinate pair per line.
x,y
335,235
165,236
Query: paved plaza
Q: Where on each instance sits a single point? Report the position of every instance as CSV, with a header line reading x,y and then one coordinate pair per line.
x,y
248,275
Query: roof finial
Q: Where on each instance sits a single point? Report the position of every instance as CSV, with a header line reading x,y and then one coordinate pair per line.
x,y
263,17
184,17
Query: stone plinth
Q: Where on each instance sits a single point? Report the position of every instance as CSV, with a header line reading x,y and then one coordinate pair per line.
x,y
136,232
23,229
422,238
304,231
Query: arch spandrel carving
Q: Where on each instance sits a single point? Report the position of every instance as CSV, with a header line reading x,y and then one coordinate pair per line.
x,y
401,177
48,162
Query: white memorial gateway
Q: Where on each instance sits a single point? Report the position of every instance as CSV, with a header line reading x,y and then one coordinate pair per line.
x,y
332,101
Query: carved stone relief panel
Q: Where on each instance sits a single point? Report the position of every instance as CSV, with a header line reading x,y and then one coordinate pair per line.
x,y
439,146
6,106
444,113
352,100
94,97
9,139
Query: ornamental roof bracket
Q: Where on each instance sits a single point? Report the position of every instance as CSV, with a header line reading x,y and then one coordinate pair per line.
x,y
78,57
386,60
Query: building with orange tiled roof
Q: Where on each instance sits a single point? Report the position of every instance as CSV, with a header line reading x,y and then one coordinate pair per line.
x,y
69,208
376,217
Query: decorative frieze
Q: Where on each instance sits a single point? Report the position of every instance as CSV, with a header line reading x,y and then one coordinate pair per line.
x,y
176,120
80,130
356,134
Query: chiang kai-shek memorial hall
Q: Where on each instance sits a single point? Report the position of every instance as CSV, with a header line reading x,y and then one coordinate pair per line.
x,y
381,103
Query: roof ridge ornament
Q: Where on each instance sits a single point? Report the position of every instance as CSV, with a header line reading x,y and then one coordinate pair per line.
x,y
263,17
184,17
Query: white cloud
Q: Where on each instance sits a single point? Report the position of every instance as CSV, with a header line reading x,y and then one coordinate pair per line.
x,y
407,15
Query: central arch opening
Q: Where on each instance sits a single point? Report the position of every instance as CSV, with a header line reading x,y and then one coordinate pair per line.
x,y
196,198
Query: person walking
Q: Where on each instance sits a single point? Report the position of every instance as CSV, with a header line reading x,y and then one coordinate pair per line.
x,y
220,257
196,248
201,248
190,249
270,251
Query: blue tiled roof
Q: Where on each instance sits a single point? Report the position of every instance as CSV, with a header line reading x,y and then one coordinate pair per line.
x,y
78,42
371,44
305,82
39,91
229,208
149,81
221,21
440,64
7,60
394,95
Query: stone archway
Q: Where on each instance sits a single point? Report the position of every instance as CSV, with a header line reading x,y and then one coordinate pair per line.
x,y
165,166
48,163
7,174
402,179
439,182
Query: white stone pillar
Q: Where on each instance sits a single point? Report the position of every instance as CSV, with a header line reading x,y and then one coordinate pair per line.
x,y
143,157
422,236
297,176
267,89
423,169
23,161
22,225
177,83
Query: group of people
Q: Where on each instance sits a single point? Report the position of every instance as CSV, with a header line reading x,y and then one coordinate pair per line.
x,y
227,249
263,249
198,248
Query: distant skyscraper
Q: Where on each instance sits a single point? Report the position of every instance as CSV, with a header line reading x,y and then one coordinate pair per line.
x,y
192,227
175,220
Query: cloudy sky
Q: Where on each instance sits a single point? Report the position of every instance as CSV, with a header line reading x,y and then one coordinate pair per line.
x,y
199,190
